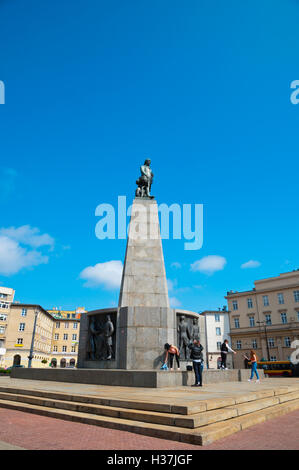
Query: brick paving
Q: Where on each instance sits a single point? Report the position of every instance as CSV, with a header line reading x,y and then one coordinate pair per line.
x,y
33,432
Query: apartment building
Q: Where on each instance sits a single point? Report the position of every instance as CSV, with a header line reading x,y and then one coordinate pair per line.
x,y
6,299
217,329
265,318
65,337
29,333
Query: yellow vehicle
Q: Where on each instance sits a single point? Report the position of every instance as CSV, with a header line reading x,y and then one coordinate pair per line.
x,y
278,368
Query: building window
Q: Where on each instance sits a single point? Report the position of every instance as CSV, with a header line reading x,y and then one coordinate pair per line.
x,y
3,296
57,324
74,337
20,341
272,358
235,305
75,325
66,325
287,342
265,300
280,299
238,344
298,315
22,327
3,317
24,312
73,348
217,317
249,303
65,336
251,321
63,348
237,322
284,318
271,342
2,330
73,315
218,345
218,331
268,320
254,344
55,349
296,295
4,305
56,336
68,315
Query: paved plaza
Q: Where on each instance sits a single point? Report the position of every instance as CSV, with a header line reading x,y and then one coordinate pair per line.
x,y
21,430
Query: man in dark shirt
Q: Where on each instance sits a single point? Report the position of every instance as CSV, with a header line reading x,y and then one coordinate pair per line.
x,y
197,358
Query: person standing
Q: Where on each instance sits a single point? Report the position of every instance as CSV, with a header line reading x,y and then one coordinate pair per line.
x,y
253,360
172,351
246,360
225,349
197,359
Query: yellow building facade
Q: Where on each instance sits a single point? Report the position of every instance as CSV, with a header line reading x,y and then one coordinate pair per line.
x,y
266,318
37,337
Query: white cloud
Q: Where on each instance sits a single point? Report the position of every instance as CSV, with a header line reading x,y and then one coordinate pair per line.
x,y
27,235
107,274
174,302
250,264
14,257
209,264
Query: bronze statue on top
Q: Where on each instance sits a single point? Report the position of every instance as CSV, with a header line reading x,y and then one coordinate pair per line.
x,y
144,182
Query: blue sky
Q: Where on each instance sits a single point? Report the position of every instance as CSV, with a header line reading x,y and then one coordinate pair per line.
x,y
92,88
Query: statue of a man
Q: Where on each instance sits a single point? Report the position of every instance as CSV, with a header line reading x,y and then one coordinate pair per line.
x,y
93,334
184,337
145,181
195,330
108,331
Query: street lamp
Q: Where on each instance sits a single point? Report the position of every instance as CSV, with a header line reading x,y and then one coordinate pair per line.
x,y
30,357
265,329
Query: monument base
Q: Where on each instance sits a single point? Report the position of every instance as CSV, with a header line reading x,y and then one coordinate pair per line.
x,y
131,378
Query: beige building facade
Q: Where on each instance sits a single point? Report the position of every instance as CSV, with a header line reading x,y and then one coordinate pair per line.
x,y
49,337
6,299
29,331
265,318
65,337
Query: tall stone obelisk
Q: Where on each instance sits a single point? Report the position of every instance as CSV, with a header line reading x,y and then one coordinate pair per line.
x,y
145,319
144,278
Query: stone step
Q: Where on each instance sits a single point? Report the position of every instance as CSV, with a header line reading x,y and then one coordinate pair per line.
x,y
200,436
121,403
169,419
164,406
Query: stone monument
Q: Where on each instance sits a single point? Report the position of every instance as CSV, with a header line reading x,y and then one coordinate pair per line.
x,y
143,321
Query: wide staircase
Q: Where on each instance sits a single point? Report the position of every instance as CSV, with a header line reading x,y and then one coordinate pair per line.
x,y
201,422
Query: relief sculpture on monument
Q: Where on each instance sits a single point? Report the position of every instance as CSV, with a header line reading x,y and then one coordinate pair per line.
x,y
101,338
